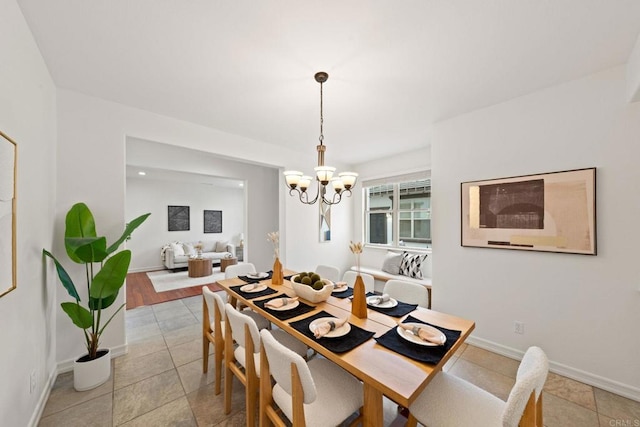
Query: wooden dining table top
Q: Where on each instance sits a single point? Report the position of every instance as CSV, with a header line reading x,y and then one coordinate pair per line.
x,y
383,371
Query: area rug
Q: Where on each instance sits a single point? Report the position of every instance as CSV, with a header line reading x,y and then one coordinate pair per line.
x,y
166,280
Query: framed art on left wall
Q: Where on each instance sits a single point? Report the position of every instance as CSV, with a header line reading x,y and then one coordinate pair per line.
x,y
8,176
178,218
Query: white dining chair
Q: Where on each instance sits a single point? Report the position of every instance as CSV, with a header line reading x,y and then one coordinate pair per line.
x,y
239,270
315,393
410,293
328,272
213,326
243,362
368,280
452,401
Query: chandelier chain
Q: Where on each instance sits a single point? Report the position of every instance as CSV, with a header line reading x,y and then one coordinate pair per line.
x,y
321,117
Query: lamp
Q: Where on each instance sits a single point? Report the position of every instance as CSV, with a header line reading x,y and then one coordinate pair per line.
x,y
298,182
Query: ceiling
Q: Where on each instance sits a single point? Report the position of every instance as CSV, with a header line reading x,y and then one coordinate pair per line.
x,y
395,67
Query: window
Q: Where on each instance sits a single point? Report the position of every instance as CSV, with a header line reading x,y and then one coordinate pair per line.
x,y
398,213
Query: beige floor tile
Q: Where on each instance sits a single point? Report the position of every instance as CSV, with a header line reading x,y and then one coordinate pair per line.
x,y
238,419
492,361
129,371
64,396
174,414
178,322
209,408
187,352
96,412
142,332
145,347
183,335
178,311
192,377
617,407
558,412
607,422
495,383
571,390
144,396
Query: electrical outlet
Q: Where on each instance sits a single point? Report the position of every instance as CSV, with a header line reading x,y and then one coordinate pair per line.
x,y
32,382
518,327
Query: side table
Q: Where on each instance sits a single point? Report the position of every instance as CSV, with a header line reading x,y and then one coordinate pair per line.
x,y
226,262
199,267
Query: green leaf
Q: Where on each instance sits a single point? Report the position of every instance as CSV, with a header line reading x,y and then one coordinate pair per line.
x,y
87,249
79,223
80,316
100,303
127,231
64,276
111,277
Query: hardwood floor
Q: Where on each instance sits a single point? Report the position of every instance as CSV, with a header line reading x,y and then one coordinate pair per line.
x,y
140,291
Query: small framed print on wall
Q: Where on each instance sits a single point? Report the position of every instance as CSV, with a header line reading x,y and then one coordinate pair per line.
x,y
8,176
549,212
178,217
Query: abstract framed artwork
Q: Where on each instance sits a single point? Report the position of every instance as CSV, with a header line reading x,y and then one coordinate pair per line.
x,y
8,176
178,218
549,212
212,221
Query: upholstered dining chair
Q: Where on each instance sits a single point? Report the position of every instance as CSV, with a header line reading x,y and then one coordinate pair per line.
x,y
411,293
328,272
244,361
350,277
451,401
239,270
213,329
315,393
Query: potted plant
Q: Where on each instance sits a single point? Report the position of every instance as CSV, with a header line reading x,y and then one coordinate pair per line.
x,y
103,283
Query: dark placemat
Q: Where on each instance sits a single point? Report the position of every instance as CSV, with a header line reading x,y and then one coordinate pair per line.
x,y
250,280
287,314
343,294
398,311
288,277
395,342
252,295
354,338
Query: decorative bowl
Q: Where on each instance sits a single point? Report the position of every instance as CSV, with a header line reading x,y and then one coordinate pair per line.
x,y
306,292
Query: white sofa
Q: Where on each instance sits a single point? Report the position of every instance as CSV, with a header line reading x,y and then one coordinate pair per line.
x,y
381,274
176,254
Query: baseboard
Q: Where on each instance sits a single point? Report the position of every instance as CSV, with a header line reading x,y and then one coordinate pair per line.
x,y
624,390
42,401
145,269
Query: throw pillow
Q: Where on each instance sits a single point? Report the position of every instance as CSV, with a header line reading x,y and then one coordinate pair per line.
x,y
177,249
208,245
391,263
411,265
221,246
189,250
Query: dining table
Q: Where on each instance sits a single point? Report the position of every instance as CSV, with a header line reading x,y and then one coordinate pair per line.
x,y
382,370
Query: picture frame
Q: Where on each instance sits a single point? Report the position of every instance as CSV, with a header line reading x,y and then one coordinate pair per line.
x,y
178,218
548,212
212,221
8,214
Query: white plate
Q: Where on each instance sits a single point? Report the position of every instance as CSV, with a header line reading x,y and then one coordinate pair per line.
x,y
247,288
337,332
289,306
260,275
388,304
340,288
407,335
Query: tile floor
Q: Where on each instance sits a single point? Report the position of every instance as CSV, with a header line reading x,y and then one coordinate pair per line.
x,y
160,383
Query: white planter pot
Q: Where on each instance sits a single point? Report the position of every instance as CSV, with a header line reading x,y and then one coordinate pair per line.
x,y
92,373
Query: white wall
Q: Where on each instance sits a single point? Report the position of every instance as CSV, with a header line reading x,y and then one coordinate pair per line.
x,y
584,311
148,195
28,116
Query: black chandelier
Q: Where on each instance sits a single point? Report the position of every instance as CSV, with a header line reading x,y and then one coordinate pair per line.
x,y
298,182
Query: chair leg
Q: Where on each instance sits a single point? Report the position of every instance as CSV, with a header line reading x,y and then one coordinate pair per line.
x,y
205,354
539,422
411,421
218,365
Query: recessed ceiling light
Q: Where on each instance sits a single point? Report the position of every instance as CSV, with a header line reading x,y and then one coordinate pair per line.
x,y
142,173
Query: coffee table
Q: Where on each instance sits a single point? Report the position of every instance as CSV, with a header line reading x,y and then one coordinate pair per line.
x,y
226,262
199,267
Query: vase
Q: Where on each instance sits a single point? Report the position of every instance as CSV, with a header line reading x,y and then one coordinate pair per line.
x,y
359,303
91,373
277,277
